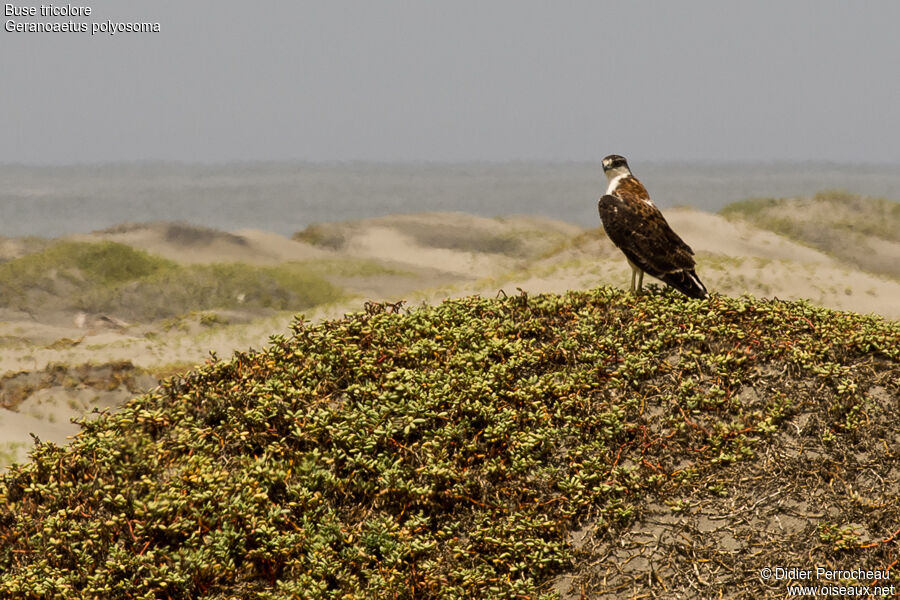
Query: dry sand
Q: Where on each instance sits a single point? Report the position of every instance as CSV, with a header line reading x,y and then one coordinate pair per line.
x,y
189,244
432,256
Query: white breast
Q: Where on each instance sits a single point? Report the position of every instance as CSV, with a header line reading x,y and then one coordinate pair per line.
x,y
614,182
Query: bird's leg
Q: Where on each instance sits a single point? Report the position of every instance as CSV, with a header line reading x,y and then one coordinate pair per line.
x,y
637,275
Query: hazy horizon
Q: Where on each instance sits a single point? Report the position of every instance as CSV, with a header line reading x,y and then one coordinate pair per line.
x,y
284,196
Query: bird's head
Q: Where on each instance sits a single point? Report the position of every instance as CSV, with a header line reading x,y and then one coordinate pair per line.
x,y
615,165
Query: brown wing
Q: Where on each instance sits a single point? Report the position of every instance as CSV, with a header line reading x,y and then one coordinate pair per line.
x,y
641,232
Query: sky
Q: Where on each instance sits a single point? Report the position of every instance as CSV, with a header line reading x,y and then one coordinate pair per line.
x,y
456,80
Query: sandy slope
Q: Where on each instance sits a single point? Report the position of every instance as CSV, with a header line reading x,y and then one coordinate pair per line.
x,y
432,256
454,243
191,244
732,258
16,429
712,234
765,264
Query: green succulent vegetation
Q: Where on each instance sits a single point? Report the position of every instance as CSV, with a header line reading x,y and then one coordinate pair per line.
x,y
116,278
445,452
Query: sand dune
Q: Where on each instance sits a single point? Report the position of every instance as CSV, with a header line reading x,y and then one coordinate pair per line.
x,y
713,234
732,259
192,244
423,257
859,230
455,243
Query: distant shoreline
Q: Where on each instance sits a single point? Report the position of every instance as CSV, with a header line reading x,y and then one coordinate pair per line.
x,y
284,197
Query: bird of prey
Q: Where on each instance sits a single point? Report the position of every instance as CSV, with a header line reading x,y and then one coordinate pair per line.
x,y
640,231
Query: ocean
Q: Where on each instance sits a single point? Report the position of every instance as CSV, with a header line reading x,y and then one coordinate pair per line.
x,y
286,197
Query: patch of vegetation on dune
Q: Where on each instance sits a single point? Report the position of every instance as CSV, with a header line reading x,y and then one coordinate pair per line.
x,y
183,234
116,278
289,286
836,222
463,233
67,267
450,452
431,235
350,267
324,235
872,216
464,238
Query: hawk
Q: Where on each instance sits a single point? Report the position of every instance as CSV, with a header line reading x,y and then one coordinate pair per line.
x,y
641,232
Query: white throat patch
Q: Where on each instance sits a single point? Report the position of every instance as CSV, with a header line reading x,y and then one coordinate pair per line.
x,y
614,182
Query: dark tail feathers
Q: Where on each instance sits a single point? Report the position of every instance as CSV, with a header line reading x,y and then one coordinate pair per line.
x,y
687,283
